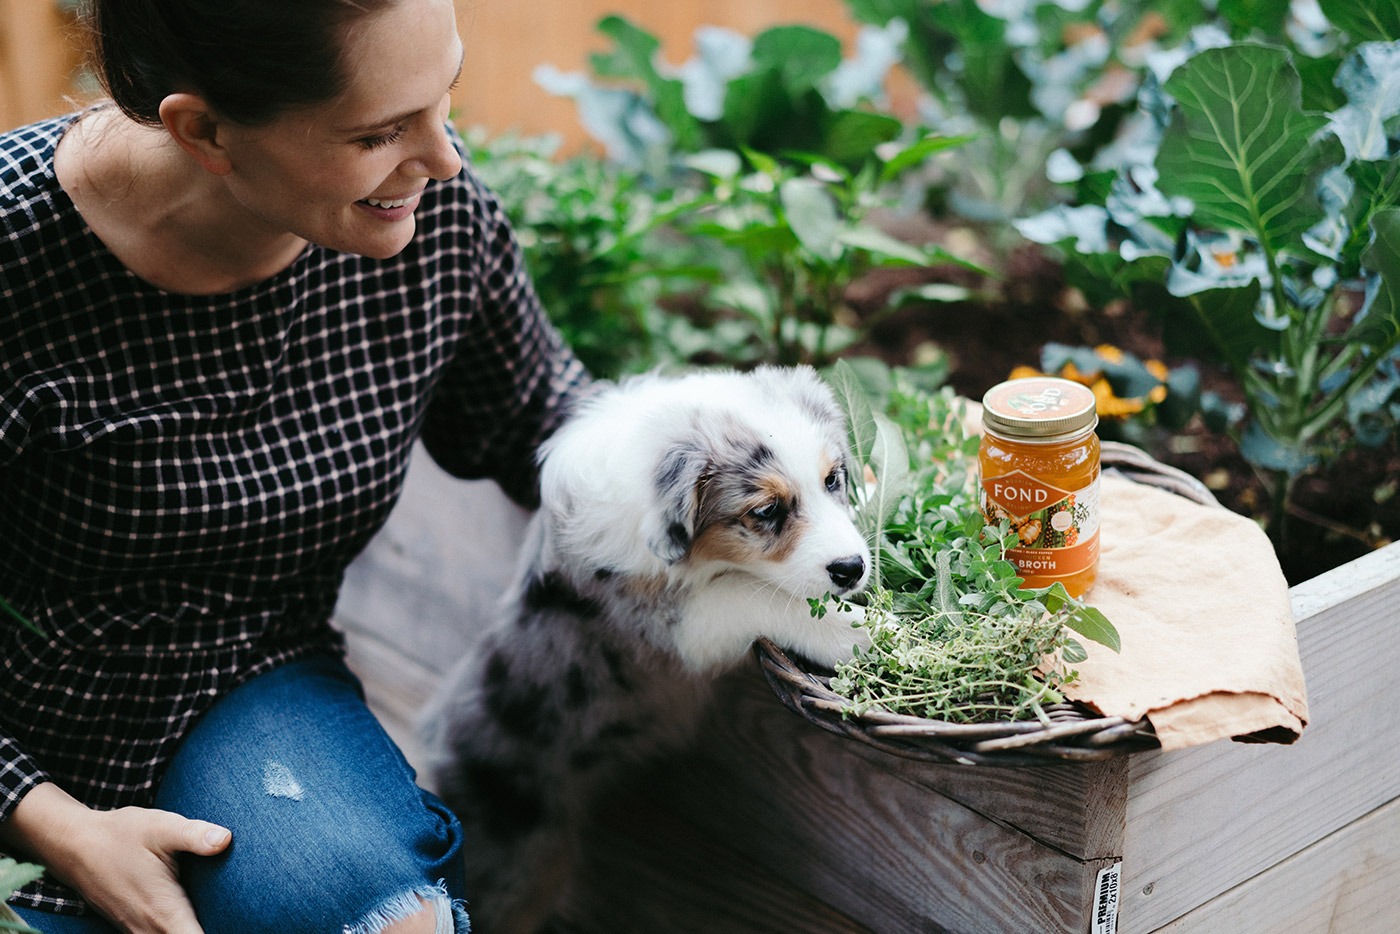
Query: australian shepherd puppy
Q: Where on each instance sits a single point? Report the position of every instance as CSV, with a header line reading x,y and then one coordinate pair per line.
x,y
680,520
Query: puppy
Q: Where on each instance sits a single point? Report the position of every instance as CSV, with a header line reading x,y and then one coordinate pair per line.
x,y
680,520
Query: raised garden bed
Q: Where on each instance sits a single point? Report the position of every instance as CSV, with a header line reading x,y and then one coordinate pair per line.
x,y
770,823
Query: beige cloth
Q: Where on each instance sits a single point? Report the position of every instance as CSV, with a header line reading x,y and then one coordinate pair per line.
x,y
1202,608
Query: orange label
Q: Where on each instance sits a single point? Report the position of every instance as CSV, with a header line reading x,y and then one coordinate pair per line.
x,y
1058,529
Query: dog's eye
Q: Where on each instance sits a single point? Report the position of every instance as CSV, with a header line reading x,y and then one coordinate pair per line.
x,y
835,479
766,511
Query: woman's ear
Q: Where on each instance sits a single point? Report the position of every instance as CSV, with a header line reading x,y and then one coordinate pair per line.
x,y
192,123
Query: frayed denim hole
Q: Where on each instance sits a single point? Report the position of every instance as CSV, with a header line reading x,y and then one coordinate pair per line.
x,y
450,914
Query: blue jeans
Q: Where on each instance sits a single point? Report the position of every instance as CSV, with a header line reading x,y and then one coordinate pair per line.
x,y
331,835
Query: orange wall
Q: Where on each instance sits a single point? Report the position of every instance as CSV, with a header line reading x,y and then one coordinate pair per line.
x,y
505,40
39,57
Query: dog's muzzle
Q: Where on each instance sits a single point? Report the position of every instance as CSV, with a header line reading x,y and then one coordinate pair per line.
x,y
846,572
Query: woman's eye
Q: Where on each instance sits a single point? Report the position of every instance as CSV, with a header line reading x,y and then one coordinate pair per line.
x,y
386,139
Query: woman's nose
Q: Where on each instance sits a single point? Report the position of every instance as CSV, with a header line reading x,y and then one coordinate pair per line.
x,y
444,162
438,158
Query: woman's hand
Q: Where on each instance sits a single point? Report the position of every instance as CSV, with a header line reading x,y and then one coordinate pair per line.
x,y
122,862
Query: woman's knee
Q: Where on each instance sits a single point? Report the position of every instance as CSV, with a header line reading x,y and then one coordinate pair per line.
x,y
423,921
422,911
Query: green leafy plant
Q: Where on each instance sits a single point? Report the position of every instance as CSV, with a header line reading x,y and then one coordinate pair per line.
x,y
732,258
593,235
787,89
796,238
1268,237
954,635
772,159
1033,81
14,876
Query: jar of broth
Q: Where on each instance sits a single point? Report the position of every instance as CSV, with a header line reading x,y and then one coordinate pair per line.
x,y
1039,470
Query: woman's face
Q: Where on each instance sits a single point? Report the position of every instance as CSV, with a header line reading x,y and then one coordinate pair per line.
x,y
347,174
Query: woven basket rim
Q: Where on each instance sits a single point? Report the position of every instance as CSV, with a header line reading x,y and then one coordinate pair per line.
x,y
1074,733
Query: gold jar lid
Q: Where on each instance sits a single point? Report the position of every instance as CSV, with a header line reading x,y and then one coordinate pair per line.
x,y
1039,407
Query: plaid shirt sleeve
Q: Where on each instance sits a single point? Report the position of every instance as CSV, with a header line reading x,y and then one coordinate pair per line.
x,y
18,774
512,378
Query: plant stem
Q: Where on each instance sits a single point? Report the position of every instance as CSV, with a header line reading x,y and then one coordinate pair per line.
x,y
1280,502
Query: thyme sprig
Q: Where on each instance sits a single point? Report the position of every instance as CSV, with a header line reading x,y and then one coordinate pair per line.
x,y
954,634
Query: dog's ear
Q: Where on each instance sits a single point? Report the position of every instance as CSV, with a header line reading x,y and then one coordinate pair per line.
x,y
679,476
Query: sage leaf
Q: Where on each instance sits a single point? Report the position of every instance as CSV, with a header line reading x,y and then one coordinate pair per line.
x,y
1073,652
855,406
889,459
1092,624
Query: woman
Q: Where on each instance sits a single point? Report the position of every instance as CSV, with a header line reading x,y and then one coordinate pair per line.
x,y
230,301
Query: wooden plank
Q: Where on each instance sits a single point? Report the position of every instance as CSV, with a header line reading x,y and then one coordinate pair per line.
x,y
1347,882
1203,820
644,869
1077,808
431,580
891,854
396,687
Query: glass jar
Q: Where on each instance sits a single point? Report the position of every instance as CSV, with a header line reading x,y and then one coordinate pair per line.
x,y
1039,470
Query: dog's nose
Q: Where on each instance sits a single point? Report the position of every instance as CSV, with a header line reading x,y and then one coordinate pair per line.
x,y
846,572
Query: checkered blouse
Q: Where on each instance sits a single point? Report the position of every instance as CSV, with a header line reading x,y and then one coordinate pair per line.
x,y
183,479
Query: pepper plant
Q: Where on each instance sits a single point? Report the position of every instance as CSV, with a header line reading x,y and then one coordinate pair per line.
x,y
1266,234
779,153
794,240
593,235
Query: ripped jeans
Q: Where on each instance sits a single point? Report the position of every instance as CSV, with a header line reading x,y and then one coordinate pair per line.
x,y
331,835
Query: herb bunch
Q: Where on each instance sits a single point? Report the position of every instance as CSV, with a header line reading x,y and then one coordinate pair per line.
x,y
954,634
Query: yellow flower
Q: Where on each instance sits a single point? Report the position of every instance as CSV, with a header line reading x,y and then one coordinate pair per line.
x,y
1109,352
1110,406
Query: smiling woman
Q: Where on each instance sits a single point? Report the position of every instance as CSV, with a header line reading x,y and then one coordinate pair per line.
x,y
206,185
236,296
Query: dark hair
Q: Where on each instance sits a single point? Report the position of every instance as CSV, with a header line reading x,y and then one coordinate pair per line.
x,y
252,60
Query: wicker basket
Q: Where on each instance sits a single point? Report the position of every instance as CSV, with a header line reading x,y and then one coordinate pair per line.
x,y
1074,733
